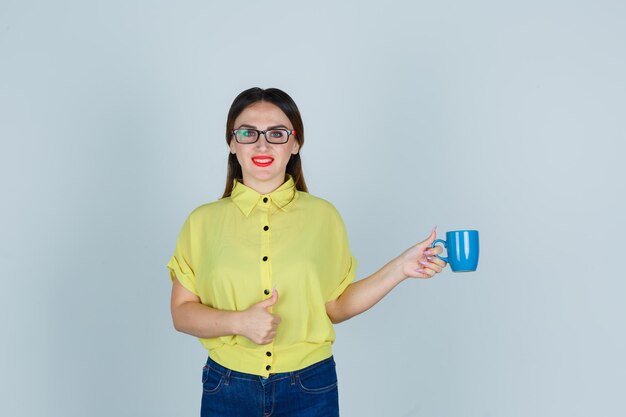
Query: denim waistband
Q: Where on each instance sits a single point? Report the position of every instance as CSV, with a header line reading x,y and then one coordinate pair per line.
x,y
229,373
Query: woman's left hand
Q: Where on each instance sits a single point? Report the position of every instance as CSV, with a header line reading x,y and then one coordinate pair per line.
x,y
419,261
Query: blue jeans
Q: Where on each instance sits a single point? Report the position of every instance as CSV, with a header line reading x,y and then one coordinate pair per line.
x,y
309,392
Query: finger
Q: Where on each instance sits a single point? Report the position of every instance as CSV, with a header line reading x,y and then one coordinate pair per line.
x,y
420,273
270,301
438,261
431,238
267,337
427,273
434,250
430,265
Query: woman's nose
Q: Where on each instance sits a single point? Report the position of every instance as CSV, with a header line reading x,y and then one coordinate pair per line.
x,y
262,143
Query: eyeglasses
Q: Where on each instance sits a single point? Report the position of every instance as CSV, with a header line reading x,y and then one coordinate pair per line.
x,y
276,136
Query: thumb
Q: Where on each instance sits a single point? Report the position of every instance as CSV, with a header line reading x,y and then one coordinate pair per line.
x,y
431,238
270,301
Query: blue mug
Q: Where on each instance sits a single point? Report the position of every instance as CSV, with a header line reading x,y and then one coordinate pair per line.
x,y
463,250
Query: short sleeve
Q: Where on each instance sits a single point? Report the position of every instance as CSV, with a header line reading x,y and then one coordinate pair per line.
x,y
347,280
181,265
344,261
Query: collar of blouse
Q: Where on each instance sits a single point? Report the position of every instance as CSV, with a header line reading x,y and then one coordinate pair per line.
x,y
247,199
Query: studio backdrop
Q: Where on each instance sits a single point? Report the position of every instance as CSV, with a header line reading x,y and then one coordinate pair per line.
x,y
505,117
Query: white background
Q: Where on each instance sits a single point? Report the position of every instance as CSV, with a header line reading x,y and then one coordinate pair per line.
x,y
506,117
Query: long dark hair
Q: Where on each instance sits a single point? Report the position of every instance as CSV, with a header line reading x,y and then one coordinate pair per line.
x,y
280,99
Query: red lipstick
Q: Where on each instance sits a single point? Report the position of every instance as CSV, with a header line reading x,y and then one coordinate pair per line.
x,y
262,160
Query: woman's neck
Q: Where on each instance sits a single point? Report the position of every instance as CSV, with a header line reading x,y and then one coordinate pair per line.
x,y
263,187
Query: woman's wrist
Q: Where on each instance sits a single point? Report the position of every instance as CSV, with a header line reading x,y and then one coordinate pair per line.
x,y
396,270
235,319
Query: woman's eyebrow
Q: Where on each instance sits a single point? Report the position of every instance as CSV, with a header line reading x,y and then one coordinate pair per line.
x,y
269,128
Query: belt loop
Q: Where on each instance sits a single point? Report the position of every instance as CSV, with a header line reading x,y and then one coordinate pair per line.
x,y
293,378
227,377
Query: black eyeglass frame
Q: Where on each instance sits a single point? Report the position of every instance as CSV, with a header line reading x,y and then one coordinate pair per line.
x,y
263,132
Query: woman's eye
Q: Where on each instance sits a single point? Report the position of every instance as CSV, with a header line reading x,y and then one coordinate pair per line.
x,y
277,133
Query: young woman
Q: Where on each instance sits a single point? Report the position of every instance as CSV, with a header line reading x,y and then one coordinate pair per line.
x,y
261,275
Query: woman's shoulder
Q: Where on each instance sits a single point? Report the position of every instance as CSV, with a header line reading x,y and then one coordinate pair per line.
x,y
314,202
210,209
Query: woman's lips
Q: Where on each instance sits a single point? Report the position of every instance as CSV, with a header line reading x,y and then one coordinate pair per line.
x,y
262,161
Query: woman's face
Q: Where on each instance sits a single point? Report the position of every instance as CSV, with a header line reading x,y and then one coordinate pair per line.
x,y
263,164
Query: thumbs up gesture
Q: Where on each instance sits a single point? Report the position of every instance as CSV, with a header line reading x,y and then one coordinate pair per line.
x,y
258,323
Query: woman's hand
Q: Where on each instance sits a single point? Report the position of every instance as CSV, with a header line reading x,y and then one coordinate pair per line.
x,y
258,324
419,261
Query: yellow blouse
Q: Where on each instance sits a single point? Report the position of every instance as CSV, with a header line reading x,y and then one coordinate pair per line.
x,y
232,252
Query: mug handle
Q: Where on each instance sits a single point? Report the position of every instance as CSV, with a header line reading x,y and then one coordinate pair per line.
x,y
445,245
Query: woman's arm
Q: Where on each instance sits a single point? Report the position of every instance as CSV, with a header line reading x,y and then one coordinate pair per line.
x,y
416,262
192,317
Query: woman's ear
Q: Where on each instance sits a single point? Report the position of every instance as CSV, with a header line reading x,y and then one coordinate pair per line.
x,y
232,147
